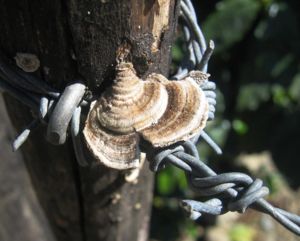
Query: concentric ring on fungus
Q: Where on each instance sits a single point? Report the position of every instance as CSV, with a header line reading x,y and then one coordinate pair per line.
x,y
161,111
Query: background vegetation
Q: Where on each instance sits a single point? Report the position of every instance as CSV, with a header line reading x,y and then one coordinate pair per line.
x,y
257,70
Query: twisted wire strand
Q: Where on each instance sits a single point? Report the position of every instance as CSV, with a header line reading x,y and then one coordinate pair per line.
x,y
228,191
44,101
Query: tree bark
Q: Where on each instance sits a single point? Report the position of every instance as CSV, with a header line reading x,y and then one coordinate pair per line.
x,y
80,38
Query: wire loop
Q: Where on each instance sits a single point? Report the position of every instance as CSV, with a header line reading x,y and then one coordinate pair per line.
x,y
228,191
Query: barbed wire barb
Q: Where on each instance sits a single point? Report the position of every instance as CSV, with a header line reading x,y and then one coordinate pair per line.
x,y
228,191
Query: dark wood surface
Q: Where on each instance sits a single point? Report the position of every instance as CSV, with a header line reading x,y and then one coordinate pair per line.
x,y
80,38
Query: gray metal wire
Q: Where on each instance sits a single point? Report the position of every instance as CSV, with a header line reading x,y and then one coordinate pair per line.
x,y
228,191
49,106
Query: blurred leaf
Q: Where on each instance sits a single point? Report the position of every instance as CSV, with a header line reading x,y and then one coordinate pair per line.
x,y
294,89
261,29
252,95
282,65
220,107
267,3
231,20
219,133
240,127
177,50
165,182
241,232
170,179
191,229
181,179
274,182
282,18
177,53
158,202
280,96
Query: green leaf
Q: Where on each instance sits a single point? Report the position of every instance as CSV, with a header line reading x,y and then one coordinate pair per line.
x,y
240,127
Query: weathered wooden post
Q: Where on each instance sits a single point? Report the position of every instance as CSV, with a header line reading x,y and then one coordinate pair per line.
x,y
80,38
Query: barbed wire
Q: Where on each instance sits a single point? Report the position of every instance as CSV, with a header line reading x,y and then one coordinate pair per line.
x,y
228,191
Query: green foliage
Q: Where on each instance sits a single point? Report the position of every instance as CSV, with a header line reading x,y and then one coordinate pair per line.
x,y
282,65
294,88
240,126
217,129
280,96
274,182
257,72
241,232
170,179
165,183
177,50
190,230
228,24
252,95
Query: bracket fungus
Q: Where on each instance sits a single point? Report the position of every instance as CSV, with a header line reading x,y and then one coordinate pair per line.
x,y
156,109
